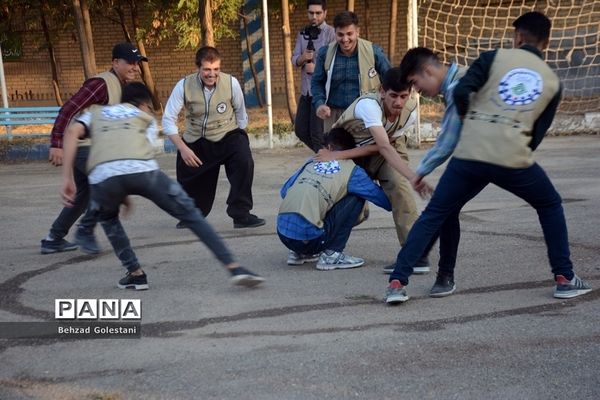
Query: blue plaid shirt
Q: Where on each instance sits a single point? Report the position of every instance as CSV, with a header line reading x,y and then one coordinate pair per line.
x,y
451,125
295,226
345,78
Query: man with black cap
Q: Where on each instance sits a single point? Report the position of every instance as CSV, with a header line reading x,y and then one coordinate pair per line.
x,y
103,89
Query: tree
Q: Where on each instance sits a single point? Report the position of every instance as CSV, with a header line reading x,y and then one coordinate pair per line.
x,y
205,17
350,5
84,32
45,10
287,58
393,30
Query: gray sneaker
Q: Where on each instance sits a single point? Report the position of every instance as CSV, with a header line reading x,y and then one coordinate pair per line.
x,y
395,293
299,259
422,267
57,246
444,286
86,240
566,289
337,260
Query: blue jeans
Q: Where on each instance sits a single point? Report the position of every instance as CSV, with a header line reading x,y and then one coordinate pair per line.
x,y
69,215
462,181
157,187
337,226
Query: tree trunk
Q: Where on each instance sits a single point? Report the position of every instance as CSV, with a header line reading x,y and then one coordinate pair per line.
x,y
144,67
206,23
251,61
350,5
287,58
87,23
89,66
393,30
366,24
121,13
55,86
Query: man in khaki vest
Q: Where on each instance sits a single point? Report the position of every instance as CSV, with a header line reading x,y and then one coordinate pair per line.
x,y
322,201
105,88
507,100
215,118
378,122
345,70
121,163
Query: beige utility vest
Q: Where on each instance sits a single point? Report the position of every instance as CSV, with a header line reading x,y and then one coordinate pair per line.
x,y
367,74
317,189
213,119
356,127
119,133
497,127
113,84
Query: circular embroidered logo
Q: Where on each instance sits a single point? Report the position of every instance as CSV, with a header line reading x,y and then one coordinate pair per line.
x,y
372,72
221,108
327,167
520,86
119,111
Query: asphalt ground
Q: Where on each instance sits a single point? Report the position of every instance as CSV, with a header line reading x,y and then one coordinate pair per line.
x,y
308,334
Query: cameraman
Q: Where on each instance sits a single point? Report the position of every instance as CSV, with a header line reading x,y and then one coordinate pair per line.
x,y
308,127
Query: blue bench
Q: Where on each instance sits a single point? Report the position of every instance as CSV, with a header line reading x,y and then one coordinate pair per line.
x,y
19,116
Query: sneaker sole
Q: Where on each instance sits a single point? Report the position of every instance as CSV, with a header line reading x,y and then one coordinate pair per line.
x,y
247,280
416,271
52,251
331,267
307,260
135,287
571,293
443,294
396,299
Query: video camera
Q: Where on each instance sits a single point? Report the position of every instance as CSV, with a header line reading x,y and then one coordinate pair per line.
x,y
310,33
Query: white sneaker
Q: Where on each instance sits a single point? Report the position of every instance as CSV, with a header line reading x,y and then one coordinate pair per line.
x,y
337,260
299,259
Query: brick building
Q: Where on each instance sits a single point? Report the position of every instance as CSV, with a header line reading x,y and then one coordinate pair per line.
x,y
29,80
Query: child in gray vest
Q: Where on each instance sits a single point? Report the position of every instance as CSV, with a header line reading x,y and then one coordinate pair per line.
x,y
122,163
322,201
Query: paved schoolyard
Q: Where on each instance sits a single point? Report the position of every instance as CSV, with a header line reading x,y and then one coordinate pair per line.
x,y
308,334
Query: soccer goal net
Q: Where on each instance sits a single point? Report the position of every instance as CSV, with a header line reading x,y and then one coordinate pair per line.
x,y
459,30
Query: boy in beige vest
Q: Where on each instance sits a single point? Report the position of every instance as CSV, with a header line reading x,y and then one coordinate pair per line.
x,y
121,163
322,201
507,100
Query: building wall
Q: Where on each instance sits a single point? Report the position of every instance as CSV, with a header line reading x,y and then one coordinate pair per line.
x,y
29,81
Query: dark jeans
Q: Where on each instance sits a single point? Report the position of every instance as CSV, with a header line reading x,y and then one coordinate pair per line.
x,y
157,187
462,181
449,235
233,151
338,224
307,126
69,215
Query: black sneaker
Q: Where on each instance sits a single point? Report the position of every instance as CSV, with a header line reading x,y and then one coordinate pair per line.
x,y
444,286
139,282
57,246
241,276
249,221
86,240
181,225
422,267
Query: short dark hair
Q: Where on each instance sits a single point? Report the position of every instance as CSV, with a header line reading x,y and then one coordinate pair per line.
x,y
322,3
339,139
415,60
136,93
394,80
535,25
207,53
344,19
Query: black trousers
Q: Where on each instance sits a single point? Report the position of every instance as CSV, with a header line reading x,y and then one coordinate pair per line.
x,y
200,183
308,127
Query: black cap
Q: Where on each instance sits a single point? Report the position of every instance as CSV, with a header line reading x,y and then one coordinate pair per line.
x,y
127,52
